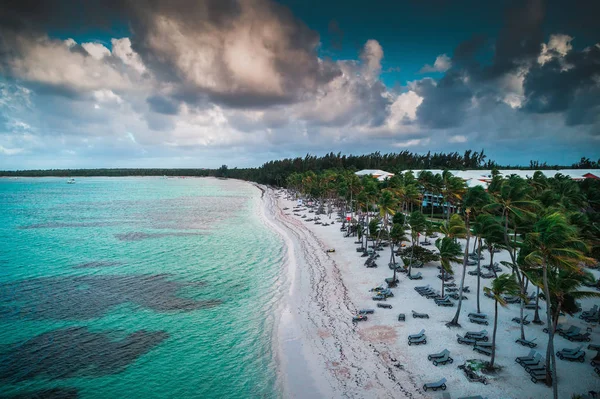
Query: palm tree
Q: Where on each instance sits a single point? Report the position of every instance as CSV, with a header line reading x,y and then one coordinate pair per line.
x,y
387,206
554,245
450,252
417,223
397,235
475,199
505,284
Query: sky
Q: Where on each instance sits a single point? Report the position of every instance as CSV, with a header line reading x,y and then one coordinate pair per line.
x,y
153,83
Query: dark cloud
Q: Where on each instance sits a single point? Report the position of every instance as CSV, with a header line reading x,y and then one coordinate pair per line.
x,y
163,105
445,104
570,84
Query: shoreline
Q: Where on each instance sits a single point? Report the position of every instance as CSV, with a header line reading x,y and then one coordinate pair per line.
x,y
318,345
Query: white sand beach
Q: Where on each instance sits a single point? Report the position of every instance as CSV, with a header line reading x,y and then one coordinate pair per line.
x,y
325,355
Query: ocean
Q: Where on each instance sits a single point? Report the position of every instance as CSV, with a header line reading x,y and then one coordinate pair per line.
x,y
141,287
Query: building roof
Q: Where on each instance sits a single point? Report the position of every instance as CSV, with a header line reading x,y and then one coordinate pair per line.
x,y
377,173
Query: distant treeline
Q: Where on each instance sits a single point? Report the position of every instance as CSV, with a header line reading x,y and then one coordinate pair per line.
x,y
276,172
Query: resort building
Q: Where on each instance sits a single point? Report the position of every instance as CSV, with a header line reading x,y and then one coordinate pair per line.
x,y
380,175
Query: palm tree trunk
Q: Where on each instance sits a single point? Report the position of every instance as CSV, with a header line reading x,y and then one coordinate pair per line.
x,y
478,279
550,359
494,334
443,279
454,321
536,318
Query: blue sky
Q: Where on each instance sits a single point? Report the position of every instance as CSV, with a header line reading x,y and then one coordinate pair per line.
x,y
198,84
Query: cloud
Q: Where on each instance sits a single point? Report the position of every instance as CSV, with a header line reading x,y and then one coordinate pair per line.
x,y
458,139
96,50
442,64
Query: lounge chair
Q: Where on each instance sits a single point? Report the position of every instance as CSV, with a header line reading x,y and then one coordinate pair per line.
x,y
417,315
417,341
452,285
384,305
579,337
488,275
478,320
483,350
538,375
466,289
418,335
366,311
512,299
530,356
441,384
596,360
571,331
464,340
532,362
401,317
570,350
359,318
519,321
537,367
528,343
590,312
478,336
594,347
531,306
417,276
478,315
456,296
379,297
572,357
443,360
438,355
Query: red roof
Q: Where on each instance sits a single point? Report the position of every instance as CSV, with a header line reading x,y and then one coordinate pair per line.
x,y
591,176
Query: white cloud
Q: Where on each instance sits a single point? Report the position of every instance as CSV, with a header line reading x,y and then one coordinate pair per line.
x,y
442,64
96,50
558,46
10,151
458,139
121,48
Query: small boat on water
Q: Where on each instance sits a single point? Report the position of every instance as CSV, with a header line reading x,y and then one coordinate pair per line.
x,y
71,181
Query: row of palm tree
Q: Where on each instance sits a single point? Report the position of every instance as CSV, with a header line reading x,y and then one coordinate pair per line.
x,y
548,226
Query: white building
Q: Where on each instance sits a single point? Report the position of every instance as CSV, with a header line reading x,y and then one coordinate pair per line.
x,y
380,175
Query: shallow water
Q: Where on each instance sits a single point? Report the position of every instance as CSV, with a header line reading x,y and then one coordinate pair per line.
x,y
137,287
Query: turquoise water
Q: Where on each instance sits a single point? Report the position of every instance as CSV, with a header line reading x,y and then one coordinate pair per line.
x,y
136,287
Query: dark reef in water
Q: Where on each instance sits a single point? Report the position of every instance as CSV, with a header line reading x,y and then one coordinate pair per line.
x,y
75,352
54,393
96,264
139,236
89,297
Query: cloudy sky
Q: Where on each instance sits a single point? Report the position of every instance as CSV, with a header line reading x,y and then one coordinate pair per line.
x,y
151,83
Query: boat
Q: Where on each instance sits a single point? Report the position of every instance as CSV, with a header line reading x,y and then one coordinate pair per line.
x,y
71,181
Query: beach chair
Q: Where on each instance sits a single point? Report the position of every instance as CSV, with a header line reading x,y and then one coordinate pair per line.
x,y
456,296
538,375
570,350
451,285
466,289
417,341
488,275
441,384
417,276
478,315
482,350
579,337
572,330
532,362
401,317
537,367
525,342
443,360
384,305
530,356
596,359
519,321
573,357
417,315
465,341
473,273
477,336
438,355
366,311
478,320
379,297
359,318
418,335
590,312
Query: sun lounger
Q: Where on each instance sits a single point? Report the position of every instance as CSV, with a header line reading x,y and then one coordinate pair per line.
x,y
401,317
482,349
570,350
366,311
471,262
477,335
532,362
465,341
538,375
478,320
418,335
451,285
443,360
594,347
579,337
441,384
512,299
478,315
456,296
438,355
384,305
537,367
531,306
572,330
524,321
530,356
473,273
359,318
488,275
573,357
525,342
417,276
379,297
417,315
417,341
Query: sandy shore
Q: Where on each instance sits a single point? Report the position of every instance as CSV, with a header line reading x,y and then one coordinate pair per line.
x,y
324,354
